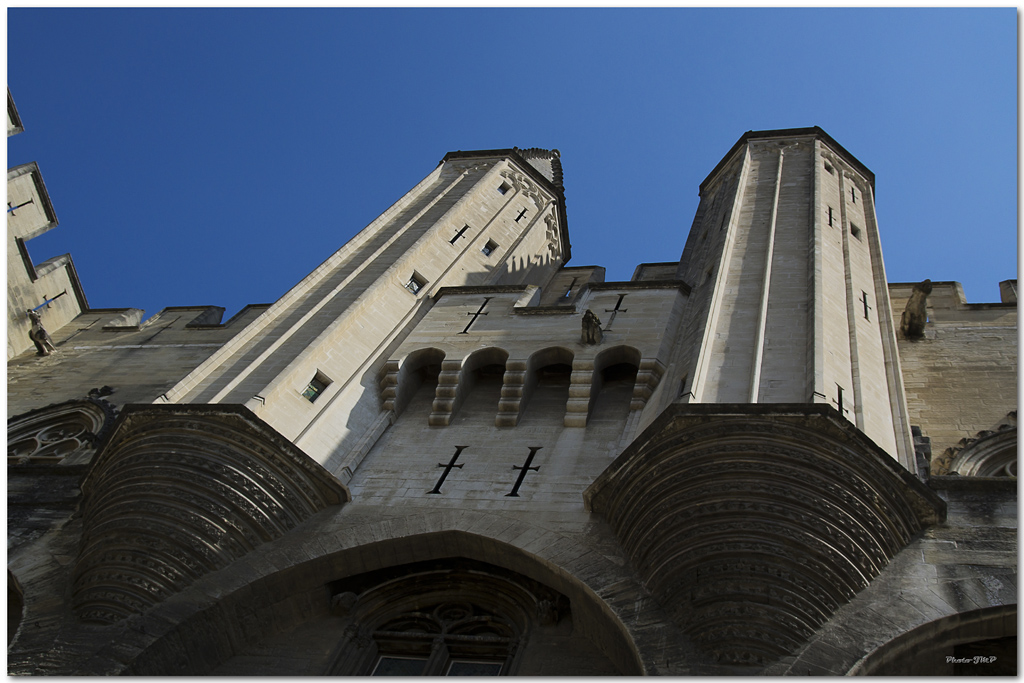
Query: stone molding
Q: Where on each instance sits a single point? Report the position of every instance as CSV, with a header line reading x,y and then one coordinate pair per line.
x,y
989,453
180,491
754,523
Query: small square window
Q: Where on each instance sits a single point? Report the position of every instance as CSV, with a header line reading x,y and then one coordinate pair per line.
x,y
854,230
316,387
415,283
828,167
504,187
489,247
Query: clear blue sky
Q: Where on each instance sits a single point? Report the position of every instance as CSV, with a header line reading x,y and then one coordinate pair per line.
x,y
217,156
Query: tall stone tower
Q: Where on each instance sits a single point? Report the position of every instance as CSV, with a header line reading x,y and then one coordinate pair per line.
x,y
309,365
790,303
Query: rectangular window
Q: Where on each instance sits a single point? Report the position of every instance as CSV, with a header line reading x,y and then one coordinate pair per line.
x,y
828,167
316,387
504,187
853,195
854,230
415,283
489,247
830,224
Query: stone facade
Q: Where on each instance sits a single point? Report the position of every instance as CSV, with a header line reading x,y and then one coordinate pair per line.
x,y
447,451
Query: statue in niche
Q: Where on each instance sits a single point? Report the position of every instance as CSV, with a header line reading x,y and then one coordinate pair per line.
x,y
39,336
591,328
916,313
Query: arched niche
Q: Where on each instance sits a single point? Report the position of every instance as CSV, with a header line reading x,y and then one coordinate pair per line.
x,y
419,371
615,373
549,371
483,369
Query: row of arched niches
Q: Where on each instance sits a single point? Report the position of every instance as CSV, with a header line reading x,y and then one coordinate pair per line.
x,y
617,379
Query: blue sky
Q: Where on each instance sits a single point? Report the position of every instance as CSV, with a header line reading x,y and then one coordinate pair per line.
x,y
199,156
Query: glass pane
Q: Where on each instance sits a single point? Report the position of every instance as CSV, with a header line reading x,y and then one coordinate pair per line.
x,y
467,668
399,666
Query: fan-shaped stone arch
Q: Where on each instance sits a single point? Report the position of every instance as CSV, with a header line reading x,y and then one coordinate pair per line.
x,y
457,380
179,491
753,523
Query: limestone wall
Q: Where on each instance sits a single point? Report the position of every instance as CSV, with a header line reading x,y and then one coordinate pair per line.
x,y
110,347
961,378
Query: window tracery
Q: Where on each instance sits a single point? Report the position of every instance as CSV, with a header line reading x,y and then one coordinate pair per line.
x,y
51,435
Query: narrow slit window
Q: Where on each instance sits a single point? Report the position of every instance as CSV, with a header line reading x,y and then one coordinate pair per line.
x,y
489,248
569,291
316,387
504,188
416,283
853,195
830,223
460,233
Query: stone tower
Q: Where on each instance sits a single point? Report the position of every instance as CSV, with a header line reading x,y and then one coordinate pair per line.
x,y
309,365
790,303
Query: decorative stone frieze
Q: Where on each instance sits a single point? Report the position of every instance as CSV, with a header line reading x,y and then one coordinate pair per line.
x,y
753,523
179,491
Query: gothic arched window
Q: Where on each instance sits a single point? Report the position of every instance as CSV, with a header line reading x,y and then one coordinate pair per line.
x,y
454,617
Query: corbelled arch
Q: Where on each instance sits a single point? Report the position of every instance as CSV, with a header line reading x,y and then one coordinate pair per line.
x,y
404,376
587,380
521,379
456,382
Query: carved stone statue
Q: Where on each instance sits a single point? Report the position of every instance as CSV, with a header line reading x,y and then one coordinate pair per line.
x,y
916,313
39,335
591,328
